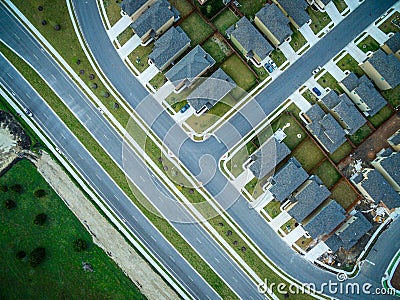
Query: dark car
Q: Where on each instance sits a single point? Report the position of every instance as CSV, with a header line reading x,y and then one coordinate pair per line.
x,y
269,68
185,108
316,91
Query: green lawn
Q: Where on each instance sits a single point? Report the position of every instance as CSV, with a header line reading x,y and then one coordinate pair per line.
x,y
392,96
360,135
140,56
340,5
389,26
158,81
61,272
381,116
196,29
239,72
125,35
328,174
327,80
303,242
288,226
310,96
368,44
262,74
250,8
273,208
319,19
308,154
113,10
344,194
254,188
225,20
211,8
183,6
294,133
237,161
297,39
217,48
349,63
278,57
341,152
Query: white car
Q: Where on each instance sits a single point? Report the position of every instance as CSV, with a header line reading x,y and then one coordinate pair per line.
x,y
317,70
272,63
28,112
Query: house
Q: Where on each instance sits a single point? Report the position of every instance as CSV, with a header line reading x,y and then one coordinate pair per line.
x,y
392,45
343,109
325,220
319,4
267,157
363,93
155,21
394,141
325,128
249,41
190,67
374,187
387,163
209,92
383,69
287,180
168,47
310,195
273,24
135,8
349,233
295,10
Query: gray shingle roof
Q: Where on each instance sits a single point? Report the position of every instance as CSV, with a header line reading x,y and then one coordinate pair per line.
x,y
328,131
394,42
131,6
287,180
325,221
154,18
350,81
168,45
267,157
395,138
296,9
391,164
368,93
190,66
379,189
308,199
276,22
331,99
213,89
250,39
349,114
387,65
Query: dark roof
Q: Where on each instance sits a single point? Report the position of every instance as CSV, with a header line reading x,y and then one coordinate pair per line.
x,y
326,220
287,179
395,138
379,189
331,99
349,114
350,81
296,9
391,164
368,93
394,42
325,2
213,89
323,126
267,157
131,6
387,65
168,45
308,199
190,66
154,17
276,22
250,38
334,242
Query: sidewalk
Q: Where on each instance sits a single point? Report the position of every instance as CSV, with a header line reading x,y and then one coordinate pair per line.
x,y
377,34
278,221
119,27
300,101
148,74
308,34
335,71
356,52
352,4
316,252
288,51
129,46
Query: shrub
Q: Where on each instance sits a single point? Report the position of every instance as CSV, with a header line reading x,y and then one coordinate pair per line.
x,y
16,188
79,245
37,256
3,188
9,204
39,193
40,219
20,255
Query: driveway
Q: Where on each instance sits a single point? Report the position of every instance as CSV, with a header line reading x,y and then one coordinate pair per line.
x,y
119,27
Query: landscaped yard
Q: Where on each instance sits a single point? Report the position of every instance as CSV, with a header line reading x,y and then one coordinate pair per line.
x,y
340,5
344,194
389,26
158,81
294,133
250,8
381,116
297,39
392,96
125,35
140,56
225,20
239,72
183,6
288,226
328,174
196,28
360,135
303,242
341,152
327,80
113,11
368,44
261,72
217,48
308,154
273,208
60,273
319,19
310,96
349,63
278,57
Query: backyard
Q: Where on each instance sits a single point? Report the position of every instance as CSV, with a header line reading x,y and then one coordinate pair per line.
x,y
344,194
361,134
308,154
239,72
341,152
217,48
183,6
196,28
294,133
225,20
392,96
381,116
368,44
349,63
328,174
250,8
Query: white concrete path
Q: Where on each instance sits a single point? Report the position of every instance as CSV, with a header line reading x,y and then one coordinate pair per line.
x,y
119,27
377,34
294,235
263,200
308,34
240,181
352,4
181,117
288,51
148,74
356,52
335,71
316,252
300,101
129,46
333,13
279,220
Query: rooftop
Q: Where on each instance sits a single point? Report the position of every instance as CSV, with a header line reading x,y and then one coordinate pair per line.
x,y
395,138
349,114
350,81
391,164
331,99
267,157
387,65
394,42
169,44
296,9
250,38
368,93
287,179
131,6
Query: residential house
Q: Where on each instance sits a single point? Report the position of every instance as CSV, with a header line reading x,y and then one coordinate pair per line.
x,y
168,47
190,67
363,93
295,10
287,180
383,69
319,4
343,109
249,41
392,45
135,8
273,23
155,21
324,221
349,233
325,128
394,141
267,157
308,198
374,187
388,163
210,91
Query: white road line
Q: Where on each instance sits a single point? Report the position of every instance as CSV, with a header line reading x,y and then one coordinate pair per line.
x,y
54,77
216,259
134,218
190,278
97,175
106,137
35,56
153,238
172,258
28,95
46,116
16,36
234,279
141,177
198,240
62,136
9,75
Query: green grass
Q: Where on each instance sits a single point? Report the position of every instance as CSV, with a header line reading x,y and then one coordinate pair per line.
x,y
61,273
278,57
327,173
217,48
360,135
125,35
327,80
183,6
319,19
368,44
273,208
349,63
340,5
381,116
262,74
237,161
225,20
196,29
388,25
310,96
303,242
291,139
392,96
158,81
288,226
297,39
341,152
113,11
344,194
140,56
211,8
239,72
254,188
308,154
250,8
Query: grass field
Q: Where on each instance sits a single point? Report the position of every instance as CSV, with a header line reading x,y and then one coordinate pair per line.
x,y
158,81
297,39
294,133
113,11
239,72
360,135
196,29
308,154
392,96
60,275
250,8
341,152
273,208
328,174
327,80
349,63
344,194
278,57
340,5
140,56
388,25
217,48
225,20
183,6
310,96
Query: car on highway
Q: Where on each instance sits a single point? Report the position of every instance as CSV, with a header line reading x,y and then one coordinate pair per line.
x,y
185,108
273,64
316,91
317,70
28,112
269,68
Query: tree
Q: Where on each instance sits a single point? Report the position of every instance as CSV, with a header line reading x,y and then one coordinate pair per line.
x,y
39,193
37,256
16,188
9,204
4,188
79,245
40,219
20,255
57,27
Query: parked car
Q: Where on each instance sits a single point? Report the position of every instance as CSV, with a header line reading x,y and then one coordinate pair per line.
x,y
269,68
185,108
317,70
316,91
28,112
273,64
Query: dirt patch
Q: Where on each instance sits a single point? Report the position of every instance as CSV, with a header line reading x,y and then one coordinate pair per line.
x,y
395,281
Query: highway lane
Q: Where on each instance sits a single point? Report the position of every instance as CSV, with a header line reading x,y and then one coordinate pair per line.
x,y
93,120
